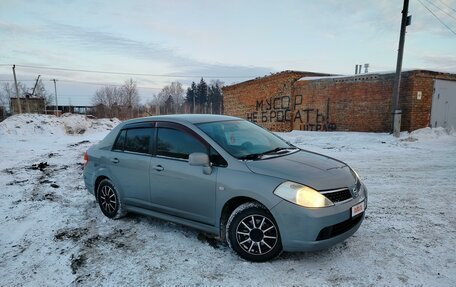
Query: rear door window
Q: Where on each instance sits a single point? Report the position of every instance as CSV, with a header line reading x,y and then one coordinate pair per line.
x,y
119,144
138,140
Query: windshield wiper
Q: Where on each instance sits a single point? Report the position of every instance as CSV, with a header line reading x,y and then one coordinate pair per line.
x,y
259,155
251,156
277,149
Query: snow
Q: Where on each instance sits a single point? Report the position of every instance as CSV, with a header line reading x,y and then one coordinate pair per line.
x,y
57,235
361,75
235,212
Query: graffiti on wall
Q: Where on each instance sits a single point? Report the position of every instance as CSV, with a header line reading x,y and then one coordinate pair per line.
x,y
289,109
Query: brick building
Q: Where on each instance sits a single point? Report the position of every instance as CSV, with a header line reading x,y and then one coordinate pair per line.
x,y
310,101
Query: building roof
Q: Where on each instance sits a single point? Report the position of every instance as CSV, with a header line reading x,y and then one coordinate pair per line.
x,y
365,76
299,74
311,76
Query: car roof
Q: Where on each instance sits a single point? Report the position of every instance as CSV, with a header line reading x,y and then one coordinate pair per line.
x,y
190,118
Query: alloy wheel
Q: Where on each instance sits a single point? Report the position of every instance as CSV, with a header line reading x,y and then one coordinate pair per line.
x,y
108,199
256,234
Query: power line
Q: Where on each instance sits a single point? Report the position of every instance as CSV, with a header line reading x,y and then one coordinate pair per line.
x,y
443,23
19,81
84,83
441,9
127,74
103,84
447,5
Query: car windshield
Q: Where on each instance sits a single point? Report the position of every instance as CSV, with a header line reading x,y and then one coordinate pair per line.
x,y
245,140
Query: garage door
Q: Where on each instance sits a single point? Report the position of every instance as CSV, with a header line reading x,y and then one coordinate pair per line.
x,y
443,112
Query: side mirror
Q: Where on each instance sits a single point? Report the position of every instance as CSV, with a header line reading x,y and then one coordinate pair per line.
x,y
200,159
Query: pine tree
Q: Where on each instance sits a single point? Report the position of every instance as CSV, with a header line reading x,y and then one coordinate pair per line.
x,y
169,105
216,97
202,92
191,96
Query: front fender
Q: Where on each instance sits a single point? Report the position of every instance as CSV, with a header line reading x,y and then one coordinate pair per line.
x,y
237,183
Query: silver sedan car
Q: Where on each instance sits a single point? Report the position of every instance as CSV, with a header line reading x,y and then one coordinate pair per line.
x,y
228,177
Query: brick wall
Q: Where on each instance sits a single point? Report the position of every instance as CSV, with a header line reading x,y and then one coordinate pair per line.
x,y
264,100
281,102
357,103
420,110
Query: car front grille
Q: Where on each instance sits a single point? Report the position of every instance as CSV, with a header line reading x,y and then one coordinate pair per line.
x,y
338,195
339,228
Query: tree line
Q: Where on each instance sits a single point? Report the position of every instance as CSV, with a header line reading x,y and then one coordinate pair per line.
x,y
124,102
117,101
204,98
198,98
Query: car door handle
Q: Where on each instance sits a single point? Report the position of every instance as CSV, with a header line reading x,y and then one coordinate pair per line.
x,y
158,168
115,160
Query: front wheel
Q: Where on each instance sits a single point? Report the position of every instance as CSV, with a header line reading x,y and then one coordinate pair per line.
x,y
253,233
109,200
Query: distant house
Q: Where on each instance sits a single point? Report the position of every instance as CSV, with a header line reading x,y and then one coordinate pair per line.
x,y
28,105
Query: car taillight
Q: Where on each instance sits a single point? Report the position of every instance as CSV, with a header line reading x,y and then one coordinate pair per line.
x,y
86,158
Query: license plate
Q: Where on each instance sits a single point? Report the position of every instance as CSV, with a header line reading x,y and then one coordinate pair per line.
x,y
357,209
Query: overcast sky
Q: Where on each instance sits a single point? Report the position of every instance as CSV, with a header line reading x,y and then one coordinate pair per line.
x,y
232,40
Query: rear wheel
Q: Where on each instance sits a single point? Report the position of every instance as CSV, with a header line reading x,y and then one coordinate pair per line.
x,y
109,200
253,233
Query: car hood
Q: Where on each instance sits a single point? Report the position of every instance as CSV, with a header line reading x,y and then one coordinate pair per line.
x,y
314,170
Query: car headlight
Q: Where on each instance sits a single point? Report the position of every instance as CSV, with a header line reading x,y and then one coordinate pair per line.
x,y
302,195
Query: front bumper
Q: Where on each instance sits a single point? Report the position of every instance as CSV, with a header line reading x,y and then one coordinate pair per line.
x,y
310,229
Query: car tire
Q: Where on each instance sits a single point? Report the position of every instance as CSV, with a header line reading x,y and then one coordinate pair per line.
x,y
253,234
109,200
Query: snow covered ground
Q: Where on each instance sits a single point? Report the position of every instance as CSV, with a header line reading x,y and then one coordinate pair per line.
x,y
52,232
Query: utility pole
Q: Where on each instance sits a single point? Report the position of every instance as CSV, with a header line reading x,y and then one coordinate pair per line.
x,y
194,103
55,92
17,91
34,87
406,20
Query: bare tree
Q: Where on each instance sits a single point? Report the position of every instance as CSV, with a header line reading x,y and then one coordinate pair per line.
x,y
129,92
156,100
115,101
107,96
160,98
8,91
217,82
153,105
174,90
